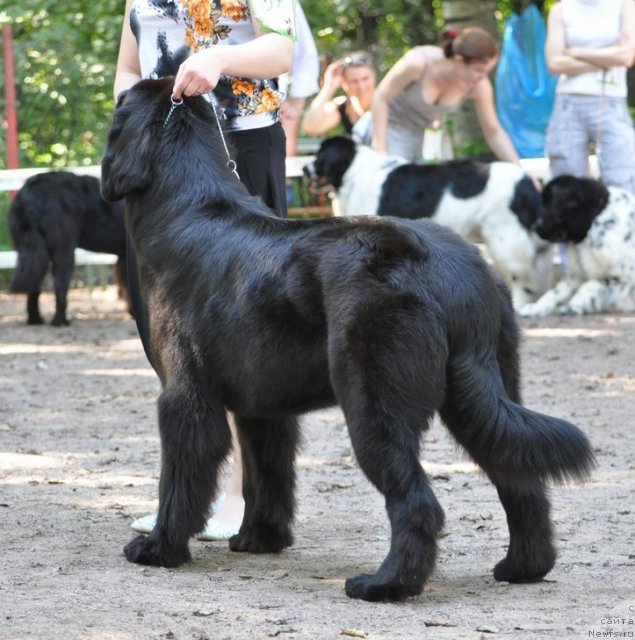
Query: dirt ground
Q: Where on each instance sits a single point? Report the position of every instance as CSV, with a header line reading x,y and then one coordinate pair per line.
x,y
79,460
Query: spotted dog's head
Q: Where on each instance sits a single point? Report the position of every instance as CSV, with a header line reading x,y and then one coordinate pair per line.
x,y
332,160
570,207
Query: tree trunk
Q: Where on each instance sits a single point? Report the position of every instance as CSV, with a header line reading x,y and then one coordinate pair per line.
x,y
466,132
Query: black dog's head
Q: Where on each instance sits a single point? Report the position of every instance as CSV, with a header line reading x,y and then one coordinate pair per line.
x,y
570,207
333,159
140,136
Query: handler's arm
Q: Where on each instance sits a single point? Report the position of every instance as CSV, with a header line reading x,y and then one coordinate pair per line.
x,y
406,70
558,59
267,56
493,132
128,69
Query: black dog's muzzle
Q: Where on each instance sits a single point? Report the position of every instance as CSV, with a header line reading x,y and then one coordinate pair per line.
x,y
317,184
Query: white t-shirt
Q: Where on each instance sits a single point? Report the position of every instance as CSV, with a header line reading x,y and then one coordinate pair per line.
x,y
593,24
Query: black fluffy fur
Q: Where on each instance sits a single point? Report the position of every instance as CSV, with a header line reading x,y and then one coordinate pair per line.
x,y
269,318
52,214
570,206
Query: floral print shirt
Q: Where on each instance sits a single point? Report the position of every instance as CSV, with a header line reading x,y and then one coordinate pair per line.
x,y
168,31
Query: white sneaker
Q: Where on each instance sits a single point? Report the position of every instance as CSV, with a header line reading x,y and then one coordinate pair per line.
x,y
212,531
217,531
145,524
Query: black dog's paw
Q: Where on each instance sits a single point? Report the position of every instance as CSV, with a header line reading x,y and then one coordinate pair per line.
x,y
508,570
60,322
369,587
35,320
149,550
262,538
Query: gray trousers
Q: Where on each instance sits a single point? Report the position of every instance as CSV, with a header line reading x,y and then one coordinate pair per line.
x,y
579,121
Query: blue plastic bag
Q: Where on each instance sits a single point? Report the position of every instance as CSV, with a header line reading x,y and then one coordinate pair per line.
x,y
525,89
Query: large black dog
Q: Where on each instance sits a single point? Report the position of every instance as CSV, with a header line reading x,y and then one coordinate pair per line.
x,y
270,318
54,213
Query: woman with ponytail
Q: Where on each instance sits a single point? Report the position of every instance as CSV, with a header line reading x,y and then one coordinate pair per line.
x,y
428,83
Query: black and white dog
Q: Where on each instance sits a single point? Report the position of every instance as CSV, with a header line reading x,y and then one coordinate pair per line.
x,y
52,214
493,203
597,225
270,318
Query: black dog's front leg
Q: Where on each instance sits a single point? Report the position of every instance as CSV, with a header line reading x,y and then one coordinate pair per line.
x,y
268,449
195,439
157,551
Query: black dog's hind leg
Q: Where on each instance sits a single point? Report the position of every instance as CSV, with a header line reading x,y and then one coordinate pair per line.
x,y
389,384
475,414
33,308
269,448
195,440
63,266
530,554
390,460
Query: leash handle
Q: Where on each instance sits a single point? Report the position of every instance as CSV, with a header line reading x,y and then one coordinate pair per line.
x,y
231,164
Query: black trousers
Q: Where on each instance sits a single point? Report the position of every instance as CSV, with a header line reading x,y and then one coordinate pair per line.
x,y
260,160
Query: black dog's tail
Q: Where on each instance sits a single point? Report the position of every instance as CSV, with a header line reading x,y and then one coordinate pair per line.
x,y
33,258
514,445
33,262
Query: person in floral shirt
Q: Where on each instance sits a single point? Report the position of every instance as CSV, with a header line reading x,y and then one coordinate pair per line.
x,y
233,52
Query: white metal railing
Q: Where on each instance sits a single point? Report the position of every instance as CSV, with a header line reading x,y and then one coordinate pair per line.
x,y
13,179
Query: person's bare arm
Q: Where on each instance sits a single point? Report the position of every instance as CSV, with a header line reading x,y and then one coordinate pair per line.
x,y
495,136
128,70
558,59
406,70
322,114
622,53
267,56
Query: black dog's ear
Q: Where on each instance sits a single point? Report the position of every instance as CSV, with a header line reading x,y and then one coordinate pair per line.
x,y
127,162
126,169
527,202
592,197
121,97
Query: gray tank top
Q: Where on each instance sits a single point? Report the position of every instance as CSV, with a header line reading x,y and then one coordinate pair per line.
x,y
408,116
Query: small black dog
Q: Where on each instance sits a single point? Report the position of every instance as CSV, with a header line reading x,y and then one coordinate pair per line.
x,y
54,213
270,318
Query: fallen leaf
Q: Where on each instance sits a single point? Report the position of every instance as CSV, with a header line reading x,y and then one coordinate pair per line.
x,y
353,633
437,623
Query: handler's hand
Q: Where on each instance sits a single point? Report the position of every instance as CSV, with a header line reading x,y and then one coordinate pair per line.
x,y
198,74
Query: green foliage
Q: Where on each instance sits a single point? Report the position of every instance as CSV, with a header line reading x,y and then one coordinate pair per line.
x,y
65,55
386,28
5,238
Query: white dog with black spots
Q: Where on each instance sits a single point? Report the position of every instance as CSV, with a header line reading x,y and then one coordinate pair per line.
x,y
597,225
